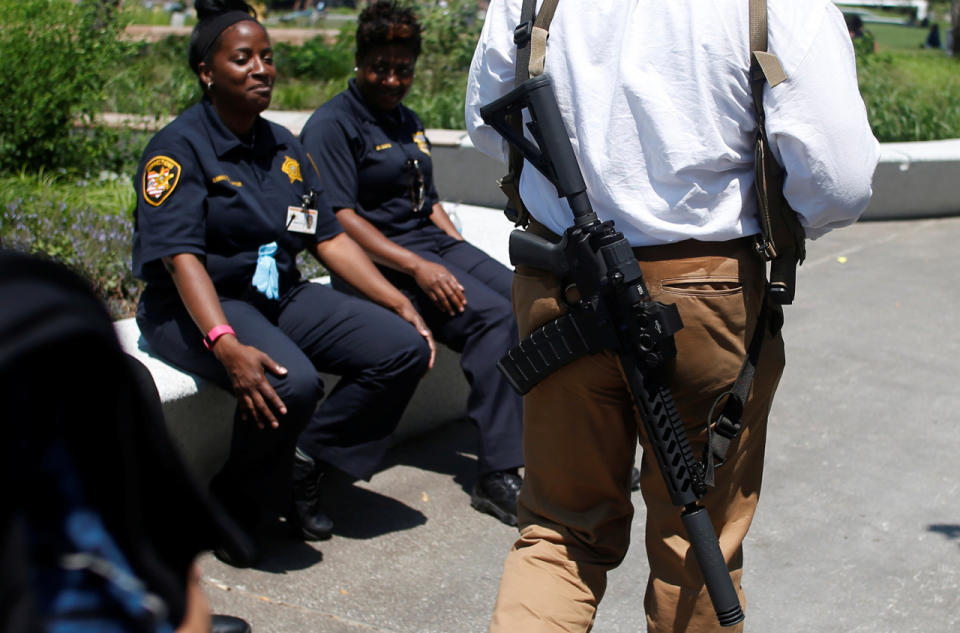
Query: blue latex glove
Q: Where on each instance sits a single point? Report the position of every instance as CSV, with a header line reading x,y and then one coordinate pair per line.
x,y
266,279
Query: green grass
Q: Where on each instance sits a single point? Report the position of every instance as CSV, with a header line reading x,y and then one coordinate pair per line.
x,y
899,37
911,95
106,193
136,13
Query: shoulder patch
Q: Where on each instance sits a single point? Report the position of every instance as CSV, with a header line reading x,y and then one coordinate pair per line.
x,y
421,140
160,178
292,169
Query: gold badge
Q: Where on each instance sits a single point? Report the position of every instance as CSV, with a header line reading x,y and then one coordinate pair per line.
x,y
292,169
421,140
160,178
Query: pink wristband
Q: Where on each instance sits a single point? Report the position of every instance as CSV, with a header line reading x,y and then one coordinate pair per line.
x,y
216,332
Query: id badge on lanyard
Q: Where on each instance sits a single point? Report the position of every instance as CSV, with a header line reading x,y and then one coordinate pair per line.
x,y
300,220
303,219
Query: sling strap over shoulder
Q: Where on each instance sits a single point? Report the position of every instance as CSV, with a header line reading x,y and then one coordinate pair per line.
x,y
782,237
530,36
781,242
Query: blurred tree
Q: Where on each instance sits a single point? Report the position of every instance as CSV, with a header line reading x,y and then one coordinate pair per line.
x,y
955,27
55,54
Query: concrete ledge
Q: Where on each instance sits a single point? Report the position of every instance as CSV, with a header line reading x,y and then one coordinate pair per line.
x,y
155,33
916,180
912,180
200,415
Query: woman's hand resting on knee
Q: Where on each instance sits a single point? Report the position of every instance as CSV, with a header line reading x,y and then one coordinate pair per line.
x,y
247,367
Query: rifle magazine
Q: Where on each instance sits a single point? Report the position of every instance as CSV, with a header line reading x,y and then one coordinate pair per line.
x,y
547,349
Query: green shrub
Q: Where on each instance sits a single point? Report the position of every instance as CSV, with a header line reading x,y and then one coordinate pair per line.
x,y
294,94
315,59
911,95
87,225
53,58
152,78
311,74
450,34
439,100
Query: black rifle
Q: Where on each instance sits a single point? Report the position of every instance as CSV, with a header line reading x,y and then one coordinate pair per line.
x,y
614,312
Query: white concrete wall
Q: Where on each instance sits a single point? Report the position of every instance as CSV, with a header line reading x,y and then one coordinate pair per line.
x,y
913,180
916,180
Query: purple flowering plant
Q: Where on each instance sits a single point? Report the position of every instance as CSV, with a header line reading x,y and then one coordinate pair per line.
x,y
95,244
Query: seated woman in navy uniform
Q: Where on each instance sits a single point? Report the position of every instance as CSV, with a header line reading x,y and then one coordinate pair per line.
x,y
226,201
375,161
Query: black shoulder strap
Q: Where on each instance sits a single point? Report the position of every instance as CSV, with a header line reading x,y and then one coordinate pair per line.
x,y
522,35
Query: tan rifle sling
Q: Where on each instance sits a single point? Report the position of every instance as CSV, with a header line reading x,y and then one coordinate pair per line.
x,y
530,36
781,242
782,239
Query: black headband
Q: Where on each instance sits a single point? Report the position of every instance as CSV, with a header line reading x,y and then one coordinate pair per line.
x,y
207,31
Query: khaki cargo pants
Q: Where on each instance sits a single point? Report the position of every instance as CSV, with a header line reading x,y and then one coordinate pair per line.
x,y
580,431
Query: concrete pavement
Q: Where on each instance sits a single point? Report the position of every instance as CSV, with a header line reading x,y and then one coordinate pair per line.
x,y
858,531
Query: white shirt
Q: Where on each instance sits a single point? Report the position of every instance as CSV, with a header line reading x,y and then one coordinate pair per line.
x,y
656,99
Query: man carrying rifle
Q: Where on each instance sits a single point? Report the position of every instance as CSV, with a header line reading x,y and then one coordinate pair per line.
x,y
657,100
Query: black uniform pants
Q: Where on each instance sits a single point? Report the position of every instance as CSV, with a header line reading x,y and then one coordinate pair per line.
x,y
482,333
311,328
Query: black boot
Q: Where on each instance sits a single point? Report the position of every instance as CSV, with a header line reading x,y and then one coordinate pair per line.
x,y
496,493
315,525
242,557
228,624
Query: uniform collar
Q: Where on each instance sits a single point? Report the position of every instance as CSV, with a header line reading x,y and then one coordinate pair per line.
x,y
368,113
224,140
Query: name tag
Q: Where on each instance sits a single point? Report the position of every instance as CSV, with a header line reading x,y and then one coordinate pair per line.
x,y
300,220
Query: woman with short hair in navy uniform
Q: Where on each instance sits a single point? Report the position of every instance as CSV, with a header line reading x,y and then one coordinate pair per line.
x,y
226,201
375,161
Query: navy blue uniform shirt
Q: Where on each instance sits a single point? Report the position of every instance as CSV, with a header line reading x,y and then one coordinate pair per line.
x,y
363,156
203,190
